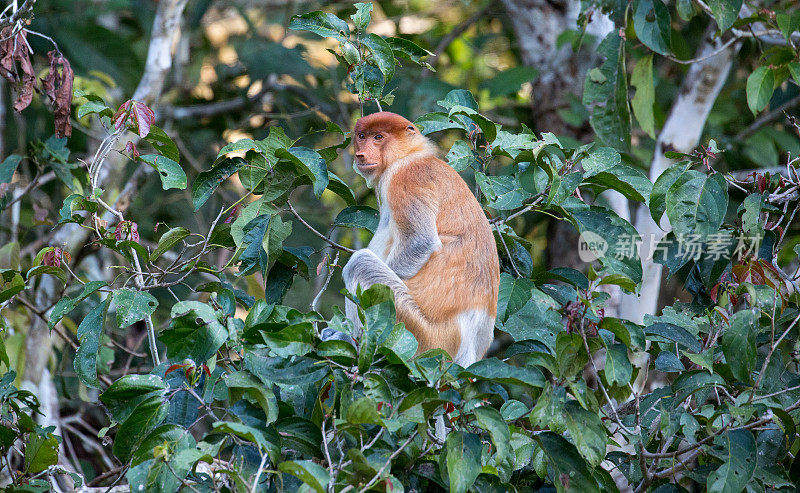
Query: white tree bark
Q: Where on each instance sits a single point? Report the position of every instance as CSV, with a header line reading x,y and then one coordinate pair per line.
x,y
681,133
36,377
165,32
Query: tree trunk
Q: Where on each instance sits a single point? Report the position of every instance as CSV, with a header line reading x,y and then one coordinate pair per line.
x,y
681,133
537,25
159,59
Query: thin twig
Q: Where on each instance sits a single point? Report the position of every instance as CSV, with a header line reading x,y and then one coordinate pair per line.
x,y
311,228
388,463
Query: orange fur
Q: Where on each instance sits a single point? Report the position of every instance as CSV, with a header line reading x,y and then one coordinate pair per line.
x,y
463,272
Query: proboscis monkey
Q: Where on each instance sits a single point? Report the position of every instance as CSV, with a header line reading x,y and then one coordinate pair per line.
x,y
434,247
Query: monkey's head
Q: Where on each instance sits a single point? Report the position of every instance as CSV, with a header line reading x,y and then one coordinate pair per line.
x,y
381,139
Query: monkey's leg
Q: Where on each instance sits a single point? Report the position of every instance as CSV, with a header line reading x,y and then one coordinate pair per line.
x,y
365,268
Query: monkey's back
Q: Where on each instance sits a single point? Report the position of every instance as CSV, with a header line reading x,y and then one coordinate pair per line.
x,y
468,252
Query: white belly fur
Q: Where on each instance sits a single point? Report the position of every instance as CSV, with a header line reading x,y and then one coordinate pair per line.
x,y
477,332
383,234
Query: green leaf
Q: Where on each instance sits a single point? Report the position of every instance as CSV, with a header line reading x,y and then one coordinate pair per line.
x,y
643,100
571,471
408,50
131,386
725,12
133,306
89,333
617,233
685,9
740,458
697,206
667,361
67,304
145,418
458,97
462,457
41,452
400,345
163,460
71,205
169,434
689,382
473,121
674,333
243,384
307,162
358,216
503,192
461,156
162,142
500,371
739,345
618,369
195,331
51,270
11,283
587,431
751,208
625,331
255,254
208,181
788,23
170,172
651,22
760,85
492,421
794,69
513,410
509,81
607,99
619,280
362,16
91,107
246,432
658,195
514,294
168,240
308,472
8,167
321,23
605,170
340,188
364,411
435,122
381,54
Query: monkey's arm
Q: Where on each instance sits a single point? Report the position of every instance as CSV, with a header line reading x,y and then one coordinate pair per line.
x,y
417,237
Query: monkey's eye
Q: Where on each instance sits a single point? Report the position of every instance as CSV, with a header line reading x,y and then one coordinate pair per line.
x,y
362,136
378,136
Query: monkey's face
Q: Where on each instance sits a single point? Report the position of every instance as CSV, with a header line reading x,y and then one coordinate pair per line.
x,y
380,139
370,152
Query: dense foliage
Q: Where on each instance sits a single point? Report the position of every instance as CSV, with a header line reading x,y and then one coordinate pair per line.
x,y
255,387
